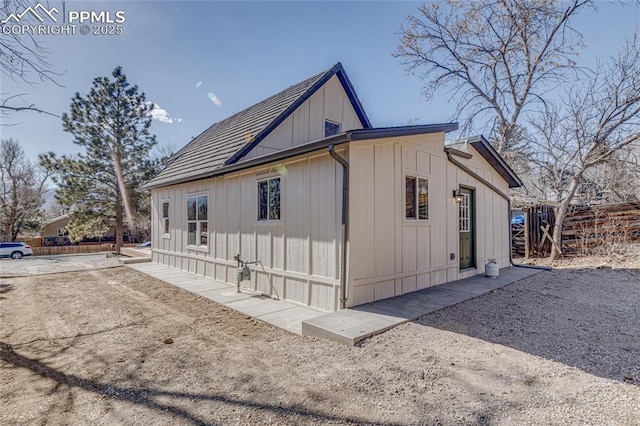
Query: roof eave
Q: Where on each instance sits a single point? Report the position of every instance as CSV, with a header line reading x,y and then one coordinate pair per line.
x,y
338,139
390,132
353,96
487,152
259,161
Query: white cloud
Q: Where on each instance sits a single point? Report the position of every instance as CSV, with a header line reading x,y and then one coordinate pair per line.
x,y
162,115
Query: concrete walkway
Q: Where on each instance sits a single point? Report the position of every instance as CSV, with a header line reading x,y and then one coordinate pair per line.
x,y
135,255
347,326
350,326
281,313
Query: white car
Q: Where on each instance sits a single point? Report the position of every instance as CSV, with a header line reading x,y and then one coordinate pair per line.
x,y
15,250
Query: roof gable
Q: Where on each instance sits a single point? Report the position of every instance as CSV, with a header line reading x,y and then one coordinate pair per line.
x,y
57,219
486,151
227,141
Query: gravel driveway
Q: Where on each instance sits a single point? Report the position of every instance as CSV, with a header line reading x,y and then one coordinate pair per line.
x,y
586,318
114,346
42,265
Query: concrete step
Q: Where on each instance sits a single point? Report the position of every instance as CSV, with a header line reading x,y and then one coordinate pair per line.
x,y
349,326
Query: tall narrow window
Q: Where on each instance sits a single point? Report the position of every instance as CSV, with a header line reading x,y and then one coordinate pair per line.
x,y
269,199
423,199
410,197
197,222
465,218
416,198
165,217
331,128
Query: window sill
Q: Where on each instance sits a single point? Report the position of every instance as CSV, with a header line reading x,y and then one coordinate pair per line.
x,y
202,249
269,222
417,222
166,236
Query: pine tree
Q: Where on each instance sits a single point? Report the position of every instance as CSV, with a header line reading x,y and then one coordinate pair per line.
x,y
102,185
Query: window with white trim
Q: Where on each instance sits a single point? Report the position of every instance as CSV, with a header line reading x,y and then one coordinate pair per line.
x,y
197,220
269,199
416,198
465,213
165,217
331,128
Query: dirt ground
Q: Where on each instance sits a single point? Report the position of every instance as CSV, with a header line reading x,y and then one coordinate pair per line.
x,y
114,346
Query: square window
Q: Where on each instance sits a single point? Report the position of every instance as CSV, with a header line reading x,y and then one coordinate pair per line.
x,y
331,128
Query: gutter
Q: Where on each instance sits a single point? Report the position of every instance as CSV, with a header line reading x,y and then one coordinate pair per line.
x,y
258,161
352,135
345,227
450,152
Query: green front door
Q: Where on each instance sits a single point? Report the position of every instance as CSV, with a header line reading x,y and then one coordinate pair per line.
x,y
467,229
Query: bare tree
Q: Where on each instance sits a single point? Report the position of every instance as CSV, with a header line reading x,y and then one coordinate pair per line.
x,y
24,59
617,180
497,58
21,191
591,126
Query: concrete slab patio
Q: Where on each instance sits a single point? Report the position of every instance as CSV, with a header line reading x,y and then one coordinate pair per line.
x,y
350,326
347,326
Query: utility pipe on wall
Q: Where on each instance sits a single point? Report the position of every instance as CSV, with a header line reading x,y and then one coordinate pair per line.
x,y
345,224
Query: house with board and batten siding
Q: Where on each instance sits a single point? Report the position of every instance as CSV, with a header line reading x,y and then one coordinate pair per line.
x,y
337,213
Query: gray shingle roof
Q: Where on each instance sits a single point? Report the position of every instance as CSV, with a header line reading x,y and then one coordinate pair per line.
x,y
229,140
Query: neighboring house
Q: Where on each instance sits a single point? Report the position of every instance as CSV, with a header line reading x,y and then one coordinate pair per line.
x,y
54,232
268,182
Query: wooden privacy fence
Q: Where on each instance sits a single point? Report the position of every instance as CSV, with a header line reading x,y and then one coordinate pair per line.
x,y
600,229
33,242
595,229
517,239
54,250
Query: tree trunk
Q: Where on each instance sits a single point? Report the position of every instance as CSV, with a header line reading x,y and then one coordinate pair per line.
x,y
119,225
563,209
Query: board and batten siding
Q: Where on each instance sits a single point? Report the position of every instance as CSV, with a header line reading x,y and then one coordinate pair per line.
x,y
300,253
390,255
306,124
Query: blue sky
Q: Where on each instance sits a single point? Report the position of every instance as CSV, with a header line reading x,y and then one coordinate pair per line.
x,y
244,52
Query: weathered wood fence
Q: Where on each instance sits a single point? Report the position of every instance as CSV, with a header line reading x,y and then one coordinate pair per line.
x,y
55,250
600,229
79,249
595,229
